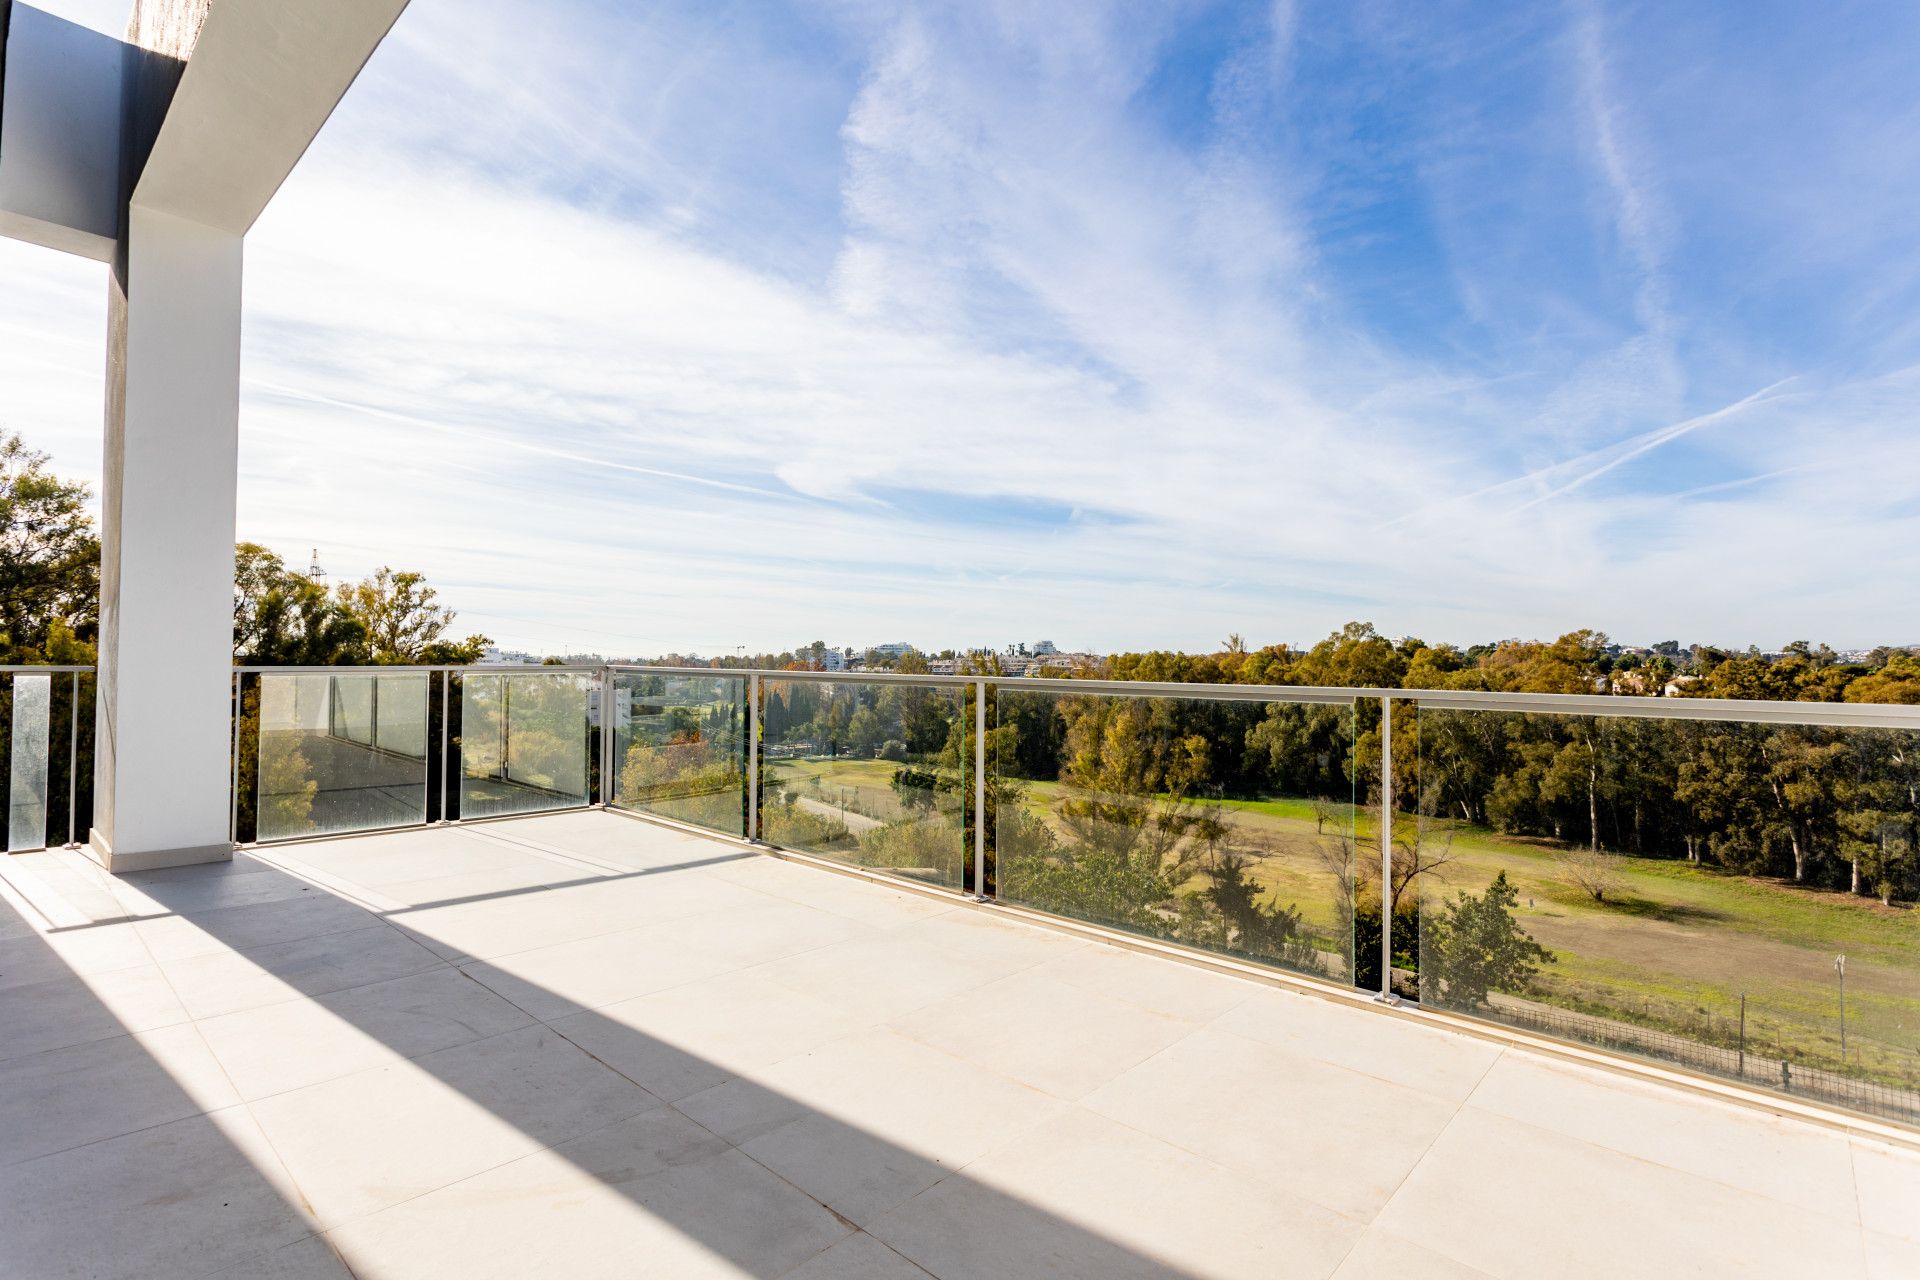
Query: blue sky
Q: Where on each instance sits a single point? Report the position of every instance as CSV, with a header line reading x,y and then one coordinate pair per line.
x,y
688,326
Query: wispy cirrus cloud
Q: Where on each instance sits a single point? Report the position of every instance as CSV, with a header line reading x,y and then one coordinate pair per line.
x,y
680,328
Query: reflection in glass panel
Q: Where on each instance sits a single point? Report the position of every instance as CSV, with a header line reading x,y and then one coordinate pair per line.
x,y
27,762
523,742
1736,898
321,769
871,773
680,748
1219,824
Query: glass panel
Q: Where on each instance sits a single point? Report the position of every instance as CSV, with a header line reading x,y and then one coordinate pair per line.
x,y
27,762
523,742
867,773
679,748
1218,824
321,771
399,716
1736,898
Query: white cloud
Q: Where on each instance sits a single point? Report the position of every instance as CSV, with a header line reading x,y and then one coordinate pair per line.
x,y
973,350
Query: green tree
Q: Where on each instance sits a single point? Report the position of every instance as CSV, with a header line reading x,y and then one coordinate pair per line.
x,y
1474,947
281,618
403,619
49,557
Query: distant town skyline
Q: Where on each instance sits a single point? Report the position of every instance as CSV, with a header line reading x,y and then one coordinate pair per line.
x,y
1136,328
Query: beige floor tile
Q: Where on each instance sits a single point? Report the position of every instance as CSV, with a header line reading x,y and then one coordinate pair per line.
x,y
84,1093
1519,1201
653,1196
693,1037
858,1257
83,951
400,856
1792,1162
1161,986
867,1121
990,947
871,904
295,1043
56,1012
375,1138
880,977
1061,1039
180,1199
1081,1196
1888,1179
205,932
1442,1063
1381,1255
771,930
210,886
478,886
1313,1129
310,1259
614,839
569,977
1891,1257
228,981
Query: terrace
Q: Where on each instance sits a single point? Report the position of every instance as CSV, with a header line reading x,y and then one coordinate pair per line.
x,y
453,1010
439,971
585,1044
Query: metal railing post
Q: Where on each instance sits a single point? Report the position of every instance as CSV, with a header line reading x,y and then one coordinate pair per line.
x,y
446,737
1386,849
753,757
233,801
73,761
980,792
606,737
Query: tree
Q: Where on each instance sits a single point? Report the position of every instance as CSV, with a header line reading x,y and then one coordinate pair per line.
x,y
49,556
399,613
1592,872
282,618
1898,680
1256,928
1475,947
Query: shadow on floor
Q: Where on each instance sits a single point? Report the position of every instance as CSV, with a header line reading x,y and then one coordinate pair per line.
x,y
583,1112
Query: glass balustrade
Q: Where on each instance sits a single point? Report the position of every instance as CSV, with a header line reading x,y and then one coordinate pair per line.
x,y
28,738
524,742
338,752
1715,894
870,773
680,748
1222,824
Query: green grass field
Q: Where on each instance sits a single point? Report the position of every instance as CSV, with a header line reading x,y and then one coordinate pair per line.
x,y
1674,946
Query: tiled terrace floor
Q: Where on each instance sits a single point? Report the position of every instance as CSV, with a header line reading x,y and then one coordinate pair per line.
x,y
583,1046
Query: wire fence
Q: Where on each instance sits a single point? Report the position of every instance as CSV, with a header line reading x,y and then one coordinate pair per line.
x,y
1752,1064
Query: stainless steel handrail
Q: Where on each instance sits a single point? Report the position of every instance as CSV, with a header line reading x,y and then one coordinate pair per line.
x,y
1837,714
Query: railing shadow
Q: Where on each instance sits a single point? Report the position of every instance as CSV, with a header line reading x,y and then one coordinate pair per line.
x,y
1044,1242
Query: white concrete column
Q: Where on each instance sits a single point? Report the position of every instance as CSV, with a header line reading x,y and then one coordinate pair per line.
x,y
163,765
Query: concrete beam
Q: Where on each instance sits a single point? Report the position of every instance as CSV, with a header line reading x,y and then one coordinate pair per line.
x,y
263,77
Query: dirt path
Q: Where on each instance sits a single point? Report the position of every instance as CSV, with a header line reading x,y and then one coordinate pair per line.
x,y
856,822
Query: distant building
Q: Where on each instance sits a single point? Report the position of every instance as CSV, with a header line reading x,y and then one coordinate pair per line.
x,y
1042,648
494,656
